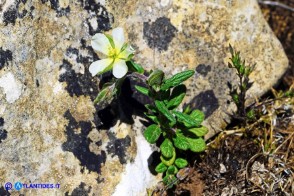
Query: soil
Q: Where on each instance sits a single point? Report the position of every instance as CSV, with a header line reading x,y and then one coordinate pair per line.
x,y
259,160
191,185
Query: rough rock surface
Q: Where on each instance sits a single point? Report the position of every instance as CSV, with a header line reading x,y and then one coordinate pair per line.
x,y
50,132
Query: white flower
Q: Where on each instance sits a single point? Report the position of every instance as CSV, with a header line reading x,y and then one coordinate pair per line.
x,y
116,50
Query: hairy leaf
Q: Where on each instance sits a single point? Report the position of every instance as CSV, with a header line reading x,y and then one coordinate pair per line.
x,y
198,116
199,131
172,170
168,161
135,66
105,94
160,168
163,109
187,120
152,133
181,142
177,96
155,78
197,145
167,148
152,117
177,79
169,180
142,90
181,163
151,108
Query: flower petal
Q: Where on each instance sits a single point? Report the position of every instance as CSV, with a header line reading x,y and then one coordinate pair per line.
x,y
118,37
100,43
100,66
119,68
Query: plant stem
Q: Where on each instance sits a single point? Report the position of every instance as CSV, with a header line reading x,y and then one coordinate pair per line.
x,y
242,97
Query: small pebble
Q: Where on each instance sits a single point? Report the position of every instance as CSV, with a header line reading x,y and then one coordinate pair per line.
x,y
222,168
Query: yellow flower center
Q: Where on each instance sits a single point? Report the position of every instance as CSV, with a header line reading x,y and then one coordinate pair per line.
x,y
113,53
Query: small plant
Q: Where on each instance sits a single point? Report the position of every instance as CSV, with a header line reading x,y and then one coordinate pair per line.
x,y
180,131
238,93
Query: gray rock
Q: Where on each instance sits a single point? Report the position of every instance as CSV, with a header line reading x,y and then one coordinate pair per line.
x,y
50,132
182,35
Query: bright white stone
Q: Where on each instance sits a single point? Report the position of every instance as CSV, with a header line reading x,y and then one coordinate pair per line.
x,y
11,87
137,174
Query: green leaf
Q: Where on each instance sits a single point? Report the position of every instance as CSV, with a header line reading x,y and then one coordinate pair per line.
x,y
177,96
169,180
289,93
155,78
163,109
142,90
124,46
199,131
167,148
242,69
197,145
151,108
152,133
252,67
168,161
181,142
105,94
198,116
171,170
181,163
160,168
231,50
187,110
186,119
152,117
177,79
117,86
235,98
247,71
243,87
130,57
251,114
135,67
